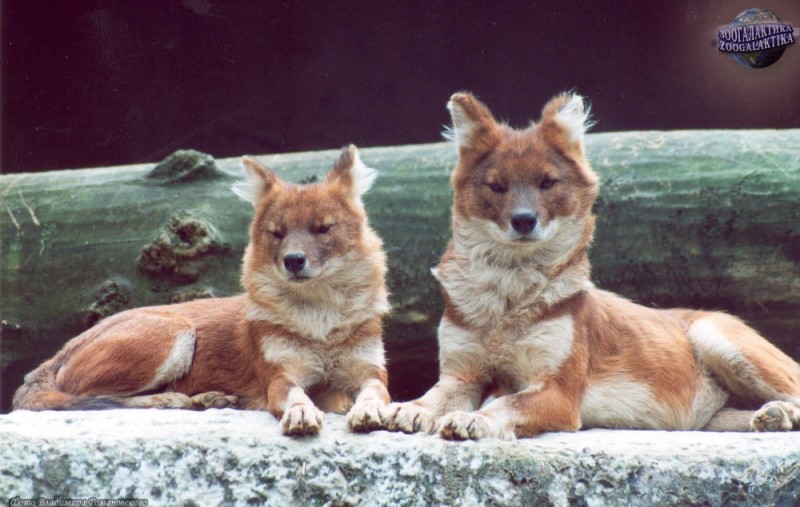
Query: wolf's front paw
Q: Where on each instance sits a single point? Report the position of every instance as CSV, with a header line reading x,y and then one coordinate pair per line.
x,y
776,416
366,416
408,418
302,420
470,425
214,399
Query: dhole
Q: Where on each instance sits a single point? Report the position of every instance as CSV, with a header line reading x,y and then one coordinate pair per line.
x,y
307,328
523,320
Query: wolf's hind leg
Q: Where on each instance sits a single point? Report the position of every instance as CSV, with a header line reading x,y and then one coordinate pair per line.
x,y
747,365
730,419
136,353
777,416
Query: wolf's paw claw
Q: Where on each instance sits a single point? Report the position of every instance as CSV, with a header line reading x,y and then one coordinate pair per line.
x,y
470,426
302,420
408,418
366,416
463,426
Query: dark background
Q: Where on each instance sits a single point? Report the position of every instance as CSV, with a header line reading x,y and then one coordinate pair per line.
x,y
87,83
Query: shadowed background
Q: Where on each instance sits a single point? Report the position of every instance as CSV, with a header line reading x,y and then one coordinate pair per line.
x,y
98,83
104,82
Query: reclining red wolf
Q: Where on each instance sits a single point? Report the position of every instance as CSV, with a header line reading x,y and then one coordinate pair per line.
x,y
307,328
522,318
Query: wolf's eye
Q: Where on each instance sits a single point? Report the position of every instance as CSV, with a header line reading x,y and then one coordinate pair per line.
x,y
547,183
496,188
323,229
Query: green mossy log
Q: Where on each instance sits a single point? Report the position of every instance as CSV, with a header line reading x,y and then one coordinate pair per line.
x,y
707,219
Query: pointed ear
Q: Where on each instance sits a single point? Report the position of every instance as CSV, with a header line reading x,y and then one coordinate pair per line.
x,y
474,128
258,181
351,173
567,113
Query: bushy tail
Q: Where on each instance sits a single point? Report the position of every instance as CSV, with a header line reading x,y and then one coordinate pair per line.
x,y
28,399
39,392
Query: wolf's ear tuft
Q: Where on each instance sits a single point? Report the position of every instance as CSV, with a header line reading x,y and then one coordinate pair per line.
x,y
352,174
474,127
568,112
258,181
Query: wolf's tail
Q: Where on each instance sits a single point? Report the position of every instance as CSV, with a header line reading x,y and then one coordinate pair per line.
x,y
55,400
39,392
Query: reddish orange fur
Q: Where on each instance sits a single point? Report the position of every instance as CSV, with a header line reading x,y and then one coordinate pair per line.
x,y
174,355
522,321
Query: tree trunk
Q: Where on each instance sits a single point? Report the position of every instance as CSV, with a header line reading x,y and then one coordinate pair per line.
x,y
705,219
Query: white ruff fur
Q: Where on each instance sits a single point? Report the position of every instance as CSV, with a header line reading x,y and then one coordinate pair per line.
x,y
493,280
353,363
319,362
301,364
343,295
522,356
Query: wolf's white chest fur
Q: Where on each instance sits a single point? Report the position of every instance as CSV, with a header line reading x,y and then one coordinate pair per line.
x,y
312,362
487,295
493,284
518,356
501,291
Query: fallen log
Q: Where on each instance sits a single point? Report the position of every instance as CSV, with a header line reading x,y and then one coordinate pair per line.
x,y
707,219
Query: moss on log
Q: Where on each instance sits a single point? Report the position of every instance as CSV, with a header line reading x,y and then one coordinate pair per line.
x,y
707,219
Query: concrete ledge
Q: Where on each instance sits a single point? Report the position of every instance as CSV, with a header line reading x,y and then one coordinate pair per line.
x,y
239,458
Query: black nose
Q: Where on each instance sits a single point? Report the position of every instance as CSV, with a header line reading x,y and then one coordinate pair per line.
x,y
523,222
294,262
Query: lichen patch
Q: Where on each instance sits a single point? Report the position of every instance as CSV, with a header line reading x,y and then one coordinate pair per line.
x,y
180,248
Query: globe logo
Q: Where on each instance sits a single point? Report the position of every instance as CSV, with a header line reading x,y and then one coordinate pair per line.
x,y
756,38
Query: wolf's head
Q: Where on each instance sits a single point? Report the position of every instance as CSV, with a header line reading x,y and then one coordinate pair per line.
x,y
523,188
303,234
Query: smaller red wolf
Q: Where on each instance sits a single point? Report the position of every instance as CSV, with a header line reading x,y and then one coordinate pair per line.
x,y
523,322
303,339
